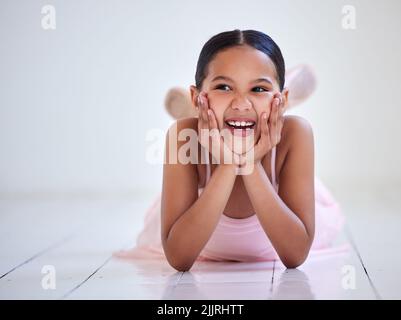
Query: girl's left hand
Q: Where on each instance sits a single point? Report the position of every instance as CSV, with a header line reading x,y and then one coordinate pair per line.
x,y
270,136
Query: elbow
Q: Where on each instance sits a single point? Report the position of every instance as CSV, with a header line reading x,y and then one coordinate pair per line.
x,y
294,262
179,264
182,268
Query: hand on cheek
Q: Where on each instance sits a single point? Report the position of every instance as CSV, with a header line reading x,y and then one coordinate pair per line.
x,y
209,134
276,120
271,124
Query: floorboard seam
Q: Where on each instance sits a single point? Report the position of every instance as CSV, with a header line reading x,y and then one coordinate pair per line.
x,y
87,278
272,282
353,244
53,246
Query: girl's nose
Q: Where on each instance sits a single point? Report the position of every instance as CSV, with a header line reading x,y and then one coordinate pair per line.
x,y
241,103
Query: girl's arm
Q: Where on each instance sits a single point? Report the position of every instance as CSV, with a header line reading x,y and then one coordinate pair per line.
x,y
288,217
188,221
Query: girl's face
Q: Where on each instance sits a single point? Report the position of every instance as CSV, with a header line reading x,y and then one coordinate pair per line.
x,y
240,84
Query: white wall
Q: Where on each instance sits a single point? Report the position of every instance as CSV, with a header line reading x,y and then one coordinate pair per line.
x,y
76,102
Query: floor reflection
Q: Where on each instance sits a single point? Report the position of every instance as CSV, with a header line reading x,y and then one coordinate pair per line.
x,y
218,291
293,284
319,278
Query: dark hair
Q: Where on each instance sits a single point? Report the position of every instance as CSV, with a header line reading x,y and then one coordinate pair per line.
x,y
227,39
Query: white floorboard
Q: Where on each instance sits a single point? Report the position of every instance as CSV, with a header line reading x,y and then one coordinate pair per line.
x,y
375,226
79,237
104,227
123,279
332,276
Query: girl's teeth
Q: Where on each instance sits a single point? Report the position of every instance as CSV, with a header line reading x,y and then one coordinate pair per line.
x,y
240,123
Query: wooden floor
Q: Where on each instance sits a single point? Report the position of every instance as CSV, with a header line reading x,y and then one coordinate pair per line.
x,y
69,242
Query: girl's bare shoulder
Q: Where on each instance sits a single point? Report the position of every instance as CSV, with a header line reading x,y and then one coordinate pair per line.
x,y
296,133
177,133
295,129
190,124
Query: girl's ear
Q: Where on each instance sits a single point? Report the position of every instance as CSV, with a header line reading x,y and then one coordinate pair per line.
x,y
194,95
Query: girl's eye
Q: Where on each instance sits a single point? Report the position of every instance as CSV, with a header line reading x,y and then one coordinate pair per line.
x,y
256,89
222,86
263,89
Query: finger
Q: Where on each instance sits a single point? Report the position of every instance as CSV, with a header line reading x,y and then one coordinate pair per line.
x,y
215,140
280,129
199,108
214,133
279,97
273,110
282,108
201,114
203,111
265,136
277,123
265,127
200,117
279,117
205,106
273,103
273,121
203,126
212,119
280,121
278,107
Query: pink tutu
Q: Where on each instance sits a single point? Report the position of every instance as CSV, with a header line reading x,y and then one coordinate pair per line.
x,y
329,221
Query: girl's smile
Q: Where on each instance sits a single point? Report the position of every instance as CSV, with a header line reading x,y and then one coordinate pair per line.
x,y
240,126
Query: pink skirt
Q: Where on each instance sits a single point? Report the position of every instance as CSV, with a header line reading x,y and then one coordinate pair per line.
x,y
329,221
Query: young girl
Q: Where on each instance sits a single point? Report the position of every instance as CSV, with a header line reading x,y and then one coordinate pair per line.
x,y
211,210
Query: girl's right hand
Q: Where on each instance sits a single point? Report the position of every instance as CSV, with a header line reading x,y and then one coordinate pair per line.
x,y
209,135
